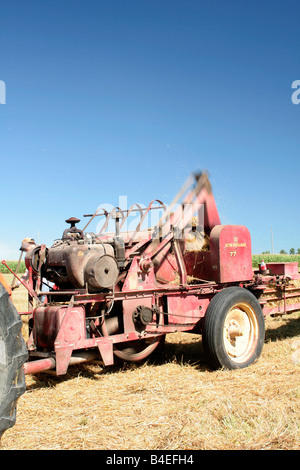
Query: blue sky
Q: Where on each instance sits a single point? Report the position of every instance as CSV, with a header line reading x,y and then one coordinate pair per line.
x,y
128,97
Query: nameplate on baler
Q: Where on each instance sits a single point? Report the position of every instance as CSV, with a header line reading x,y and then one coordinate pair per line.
x,y
231,257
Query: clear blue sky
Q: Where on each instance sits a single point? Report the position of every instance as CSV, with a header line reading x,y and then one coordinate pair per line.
x,y
128,97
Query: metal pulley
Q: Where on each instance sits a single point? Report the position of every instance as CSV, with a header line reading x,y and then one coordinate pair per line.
x,y
101,272
142,315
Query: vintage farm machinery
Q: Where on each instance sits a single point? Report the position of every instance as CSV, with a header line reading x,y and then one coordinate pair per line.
x,y
116,293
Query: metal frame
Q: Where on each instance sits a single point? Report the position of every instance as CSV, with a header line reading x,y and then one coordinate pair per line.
x,y
58,335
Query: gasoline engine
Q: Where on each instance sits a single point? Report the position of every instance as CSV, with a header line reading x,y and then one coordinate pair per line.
x,y
79,260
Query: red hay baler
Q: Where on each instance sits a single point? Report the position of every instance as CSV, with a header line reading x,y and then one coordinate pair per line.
x,y
116,294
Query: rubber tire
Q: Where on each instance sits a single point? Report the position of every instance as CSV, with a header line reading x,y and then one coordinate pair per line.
x,y
13,354
212,336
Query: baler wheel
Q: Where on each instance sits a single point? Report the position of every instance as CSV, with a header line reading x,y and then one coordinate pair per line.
x,y
234,329
13,354
136,351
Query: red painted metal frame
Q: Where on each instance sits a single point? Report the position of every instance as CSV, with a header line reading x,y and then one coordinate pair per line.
x,y
186,309
155,277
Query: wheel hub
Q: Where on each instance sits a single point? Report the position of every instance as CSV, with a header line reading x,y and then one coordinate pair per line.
x,y
240,332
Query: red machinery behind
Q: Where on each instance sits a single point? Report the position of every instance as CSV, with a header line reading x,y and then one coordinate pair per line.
x,y
118,294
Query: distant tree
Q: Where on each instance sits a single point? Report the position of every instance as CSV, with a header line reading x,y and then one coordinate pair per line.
x,y
265,253
283,252
298,251
292,251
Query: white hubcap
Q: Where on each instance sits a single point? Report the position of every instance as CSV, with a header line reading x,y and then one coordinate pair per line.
x,y
240,332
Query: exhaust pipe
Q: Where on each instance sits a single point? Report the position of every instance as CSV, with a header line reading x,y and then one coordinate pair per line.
x,y
41,365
